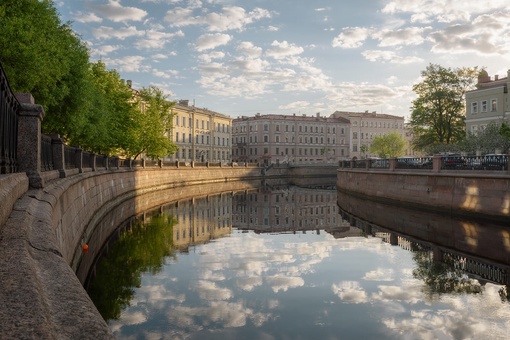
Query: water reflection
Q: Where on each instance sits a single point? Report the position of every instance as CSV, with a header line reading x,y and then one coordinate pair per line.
x,y
291,262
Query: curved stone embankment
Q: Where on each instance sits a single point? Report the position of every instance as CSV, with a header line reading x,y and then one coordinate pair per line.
x,y
40,243
457,193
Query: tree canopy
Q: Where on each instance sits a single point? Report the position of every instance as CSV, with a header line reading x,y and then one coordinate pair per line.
x,y
389,145
84,102
437,114
44,57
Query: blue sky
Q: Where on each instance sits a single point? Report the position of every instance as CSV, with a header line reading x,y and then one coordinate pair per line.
x,y
240,57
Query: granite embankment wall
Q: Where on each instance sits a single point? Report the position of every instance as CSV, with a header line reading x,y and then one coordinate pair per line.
x,y
457,193
42,232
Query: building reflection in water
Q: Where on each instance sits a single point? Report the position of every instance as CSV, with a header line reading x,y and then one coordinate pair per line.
x,y
278,207
200,220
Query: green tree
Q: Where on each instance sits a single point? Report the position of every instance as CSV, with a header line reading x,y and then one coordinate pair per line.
x,y
43,56
114,117
437,115
152,136
389,145
488,140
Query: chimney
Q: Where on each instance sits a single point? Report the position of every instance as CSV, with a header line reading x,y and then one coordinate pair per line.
x,y
496,77
318,114
129,83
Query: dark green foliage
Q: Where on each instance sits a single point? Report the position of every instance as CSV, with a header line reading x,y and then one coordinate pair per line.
x,y
437,115
44,57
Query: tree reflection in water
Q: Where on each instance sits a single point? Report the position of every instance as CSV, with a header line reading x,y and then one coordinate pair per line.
x,y
140,249
441,278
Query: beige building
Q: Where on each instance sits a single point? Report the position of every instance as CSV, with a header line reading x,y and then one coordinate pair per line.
x,y
201,135
296,139
488,103
365,126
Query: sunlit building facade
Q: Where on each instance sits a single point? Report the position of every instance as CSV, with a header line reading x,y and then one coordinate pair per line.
x,y
295,139
489,102
364,126
201,135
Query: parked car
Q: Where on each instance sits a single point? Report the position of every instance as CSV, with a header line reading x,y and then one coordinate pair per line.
x,y
453,161
409,163
494,162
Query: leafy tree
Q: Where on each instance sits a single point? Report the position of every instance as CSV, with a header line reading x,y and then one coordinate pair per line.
x,y
363,149
44,57
389,145
437,115
152,136
114,118
489,140
504,130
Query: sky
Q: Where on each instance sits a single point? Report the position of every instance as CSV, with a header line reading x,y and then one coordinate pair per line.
x,y
242,57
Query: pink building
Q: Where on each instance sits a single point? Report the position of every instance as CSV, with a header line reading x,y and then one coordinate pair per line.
x,y
292,139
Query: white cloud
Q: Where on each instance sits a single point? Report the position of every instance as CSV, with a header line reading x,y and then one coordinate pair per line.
x,y
351,37
115,12
405,36
230,18
389,56
86,17
283,49
210,41
295,105
127,63
104,32
442,10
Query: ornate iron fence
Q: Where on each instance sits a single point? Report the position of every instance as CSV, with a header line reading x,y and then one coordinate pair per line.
x,y
9,108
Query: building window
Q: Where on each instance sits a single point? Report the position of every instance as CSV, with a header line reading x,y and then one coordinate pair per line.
x,y
266,139
355,147
474,129
474,107
177,136
484,106
277,151
277,127
354,135
494,105
266,127
277,139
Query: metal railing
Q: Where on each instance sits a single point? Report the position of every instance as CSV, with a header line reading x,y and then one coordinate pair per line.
x,y
9,108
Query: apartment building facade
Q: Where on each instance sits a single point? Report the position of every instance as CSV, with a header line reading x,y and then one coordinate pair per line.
x,y
488,103
200,134
287,209
364,126
295,139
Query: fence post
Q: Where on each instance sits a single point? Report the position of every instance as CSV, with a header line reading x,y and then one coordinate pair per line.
x,y
29,139
93,158
79,159
57,146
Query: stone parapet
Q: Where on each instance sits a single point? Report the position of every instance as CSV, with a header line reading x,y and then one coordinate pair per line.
x,y
459,193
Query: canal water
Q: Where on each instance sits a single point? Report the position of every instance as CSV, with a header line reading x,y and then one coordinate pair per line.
x,y
288,262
